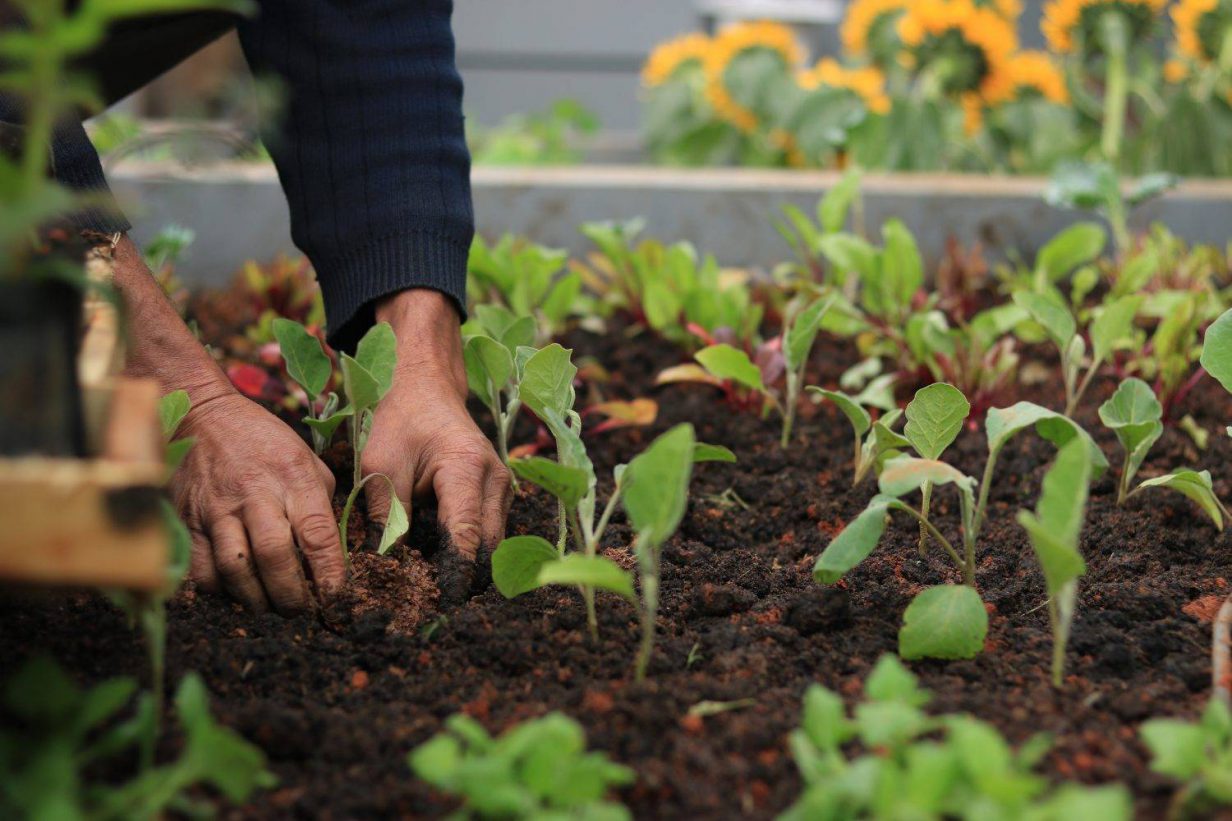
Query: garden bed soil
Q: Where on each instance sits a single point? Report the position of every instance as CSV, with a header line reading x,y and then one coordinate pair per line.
x,y
338,699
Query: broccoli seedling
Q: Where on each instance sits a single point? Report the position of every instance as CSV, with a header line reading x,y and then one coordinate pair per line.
x,y
1197,754
1134,413
912,765
55,735
537,769
948,621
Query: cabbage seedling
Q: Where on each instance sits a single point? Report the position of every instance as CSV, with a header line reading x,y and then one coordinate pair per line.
x,y
495,357
935,417
875,442
912,765
1133,413
798,340
1197,754
947,621
537,769
1113,323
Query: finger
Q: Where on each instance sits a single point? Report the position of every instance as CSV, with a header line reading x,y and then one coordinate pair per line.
x,y
459,487
316,533
497,496
201,568
275,555
233,559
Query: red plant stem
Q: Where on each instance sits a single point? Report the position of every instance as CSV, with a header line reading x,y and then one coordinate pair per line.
x,y
1179,396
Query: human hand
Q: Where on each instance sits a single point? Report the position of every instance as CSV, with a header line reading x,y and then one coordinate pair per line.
x,y
425,441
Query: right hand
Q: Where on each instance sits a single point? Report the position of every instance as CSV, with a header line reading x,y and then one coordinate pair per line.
x,y
256,499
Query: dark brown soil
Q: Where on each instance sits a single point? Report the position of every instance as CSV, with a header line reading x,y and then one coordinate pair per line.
x,y
337,701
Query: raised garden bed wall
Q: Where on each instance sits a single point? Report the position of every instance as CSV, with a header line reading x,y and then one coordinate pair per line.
x,y
239,213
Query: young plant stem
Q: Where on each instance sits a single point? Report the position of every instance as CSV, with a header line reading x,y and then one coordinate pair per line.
x,y
648,567
789,412
1123,484
1071,404
153,617
965,567
926,493
981,506
346,512
1114,36
588,593
563,536
1061,616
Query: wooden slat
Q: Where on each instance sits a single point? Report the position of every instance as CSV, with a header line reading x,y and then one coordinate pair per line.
x,y
73,522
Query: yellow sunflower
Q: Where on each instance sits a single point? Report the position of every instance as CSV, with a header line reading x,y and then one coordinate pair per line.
x,y
1063,19
1009,9
1201,27
867,83
668,57
1027,73
973,43
863,16
1176,71
730,44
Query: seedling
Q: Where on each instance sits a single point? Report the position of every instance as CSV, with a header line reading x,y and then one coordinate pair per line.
x,y
911,765
1217,352
798,341
1197,754
733,371
805,236
934,419
1054,530
1133,413
495,356
527,279
947,621
172,409
1097,187
366,378
538,769
1113,323
55,736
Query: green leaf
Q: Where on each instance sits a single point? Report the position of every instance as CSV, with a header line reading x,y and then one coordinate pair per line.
x,y
489,366
1002,424
1196,485
1178,748
215,754
934,418
326,427
397,524
944,622
547,381
177,451
802,332
656,484
568,484
516,563
731,364
1113,323
902,271
824,719
378,353
307,362
1133,413
850,254
906,474
588,571
1055,526
362,389
1075,246
172,409
437,760
1055,317
891,681
703,452
833,207
856,415
1217,350
855,542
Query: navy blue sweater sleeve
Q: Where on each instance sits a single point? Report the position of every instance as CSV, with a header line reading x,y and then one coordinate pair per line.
x,y
371,148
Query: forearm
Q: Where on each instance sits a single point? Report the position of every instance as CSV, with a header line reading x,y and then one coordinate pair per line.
x,y
427,327
160,345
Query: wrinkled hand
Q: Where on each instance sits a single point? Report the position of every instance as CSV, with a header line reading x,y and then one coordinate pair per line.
x,y
255,498
424,439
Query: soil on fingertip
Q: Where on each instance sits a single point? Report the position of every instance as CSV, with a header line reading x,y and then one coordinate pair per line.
x,y
337,699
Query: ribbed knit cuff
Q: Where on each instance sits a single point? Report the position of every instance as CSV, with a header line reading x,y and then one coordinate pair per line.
x,y
352,281
76,166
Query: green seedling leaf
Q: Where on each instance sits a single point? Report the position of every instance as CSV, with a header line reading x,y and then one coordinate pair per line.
x,y
902,271
944,622
568,484
891,681
378,353
1114,323
934,419
856,415
1057,522
856,541
1217,350
172,409
489,367
213,753
362,389
177,451
505,327
397,524
326,427
656,484
833,207
906,474
1178,748
1052,315
1002,424
802,332
588,571
516,563
731,364
307,362
1196,485
1133,413
824,718
1075,246
703,452
547,381
850,254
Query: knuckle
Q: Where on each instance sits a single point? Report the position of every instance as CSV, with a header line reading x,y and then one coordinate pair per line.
x,y
317,532
233,563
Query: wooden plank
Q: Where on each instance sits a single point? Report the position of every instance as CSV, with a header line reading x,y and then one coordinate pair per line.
x,y
70,522
134,433
101,357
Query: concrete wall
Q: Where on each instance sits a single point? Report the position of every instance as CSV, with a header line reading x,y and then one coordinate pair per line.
x,y
239,211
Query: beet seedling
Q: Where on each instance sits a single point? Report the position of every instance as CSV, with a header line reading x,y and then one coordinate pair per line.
x,y
1134,413
798,341
947,621
537,769
911,765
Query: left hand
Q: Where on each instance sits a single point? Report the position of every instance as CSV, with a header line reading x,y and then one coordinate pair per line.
x,y
423,438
